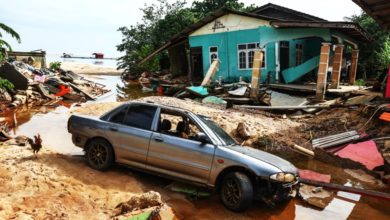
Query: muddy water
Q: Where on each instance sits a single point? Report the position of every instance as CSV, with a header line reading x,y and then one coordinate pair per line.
x,y
51,123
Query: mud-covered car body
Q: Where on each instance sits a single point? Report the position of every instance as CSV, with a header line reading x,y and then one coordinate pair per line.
x,y
141,139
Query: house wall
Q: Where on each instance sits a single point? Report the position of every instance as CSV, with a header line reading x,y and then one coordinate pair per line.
x,y
229,31
227,43
230,22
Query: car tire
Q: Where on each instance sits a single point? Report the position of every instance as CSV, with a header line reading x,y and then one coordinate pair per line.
x,y
99,154
236,191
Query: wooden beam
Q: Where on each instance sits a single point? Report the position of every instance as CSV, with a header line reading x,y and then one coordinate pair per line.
x,y
333,186
256,73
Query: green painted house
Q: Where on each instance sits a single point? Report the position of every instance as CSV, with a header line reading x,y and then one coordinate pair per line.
x,y
290,41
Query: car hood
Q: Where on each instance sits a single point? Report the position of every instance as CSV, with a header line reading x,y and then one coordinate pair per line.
x,y
276,161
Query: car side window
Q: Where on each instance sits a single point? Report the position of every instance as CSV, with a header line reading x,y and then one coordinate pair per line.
x,y
140,116
119,116
178,125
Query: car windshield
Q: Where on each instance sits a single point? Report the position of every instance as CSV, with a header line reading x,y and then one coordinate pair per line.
x,y
225,137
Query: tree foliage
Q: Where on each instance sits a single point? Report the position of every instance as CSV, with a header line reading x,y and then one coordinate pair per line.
x,y
9,31
160,22
374,55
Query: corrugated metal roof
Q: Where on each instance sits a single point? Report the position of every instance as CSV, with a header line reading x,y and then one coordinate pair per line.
x,y
377,9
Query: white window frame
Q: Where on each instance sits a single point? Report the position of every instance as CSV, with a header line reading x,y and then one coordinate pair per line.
x,y
210,53
247,55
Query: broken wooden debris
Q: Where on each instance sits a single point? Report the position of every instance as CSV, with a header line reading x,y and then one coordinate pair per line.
x,y
302,150
359,100
210,73
282,107
334,140
11,72
238,92
41,88
82,91
333,186
256,73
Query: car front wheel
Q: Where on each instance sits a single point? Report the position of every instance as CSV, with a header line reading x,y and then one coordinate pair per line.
x,y
99,154
236,191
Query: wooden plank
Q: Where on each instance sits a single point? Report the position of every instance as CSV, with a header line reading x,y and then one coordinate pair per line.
x,y
210,73
282,107
333,186
256,73
44,92
82,91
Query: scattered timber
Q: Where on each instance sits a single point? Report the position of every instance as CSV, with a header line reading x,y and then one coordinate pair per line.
x,y
333,186
283,107
82,91
302,150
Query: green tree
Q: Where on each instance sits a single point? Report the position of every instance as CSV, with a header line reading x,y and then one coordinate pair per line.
x,y
160,22
203,8
374,55
9,31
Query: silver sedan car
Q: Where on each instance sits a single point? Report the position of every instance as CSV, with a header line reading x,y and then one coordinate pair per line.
x,y
176,143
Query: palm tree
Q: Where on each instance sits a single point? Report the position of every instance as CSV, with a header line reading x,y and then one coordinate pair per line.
x,y
11,32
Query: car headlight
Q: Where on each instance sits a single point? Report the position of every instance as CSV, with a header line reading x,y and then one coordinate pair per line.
x,y
283,177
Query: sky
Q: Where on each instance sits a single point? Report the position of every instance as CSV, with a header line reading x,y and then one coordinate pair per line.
x,y
82,27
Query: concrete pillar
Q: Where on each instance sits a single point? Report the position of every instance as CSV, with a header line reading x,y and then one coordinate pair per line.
x,y
256,73
353,68
322,72
337,62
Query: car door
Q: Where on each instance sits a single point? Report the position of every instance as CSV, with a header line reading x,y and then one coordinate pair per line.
x,y
129,132
179,157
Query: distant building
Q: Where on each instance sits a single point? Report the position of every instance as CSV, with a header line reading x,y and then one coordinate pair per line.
x,y
98,55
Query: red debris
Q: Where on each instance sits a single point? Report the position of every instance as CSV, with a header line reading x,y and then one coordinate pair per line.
x,y
385,117
63,90
365,153
311,175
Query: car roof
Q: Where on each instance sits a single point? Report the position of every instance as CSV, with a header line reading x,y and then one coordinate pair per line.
x,y
159,105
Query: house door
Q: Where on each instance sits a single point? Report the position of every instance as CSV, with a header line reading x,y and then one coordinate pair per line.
x,y
197,63
284,55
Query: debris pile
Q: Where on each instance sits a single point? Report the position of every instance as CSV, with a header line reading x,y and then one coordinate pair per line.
x,y
40,86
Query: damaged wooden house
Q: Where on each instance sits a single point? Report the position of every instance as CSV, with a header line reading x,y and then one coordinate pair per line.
x,y
297,48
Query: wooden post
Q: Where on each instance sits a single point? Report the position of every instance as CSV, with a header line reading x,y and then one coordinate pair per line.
x,y
337,61
387,94
322,72
256,73
353,68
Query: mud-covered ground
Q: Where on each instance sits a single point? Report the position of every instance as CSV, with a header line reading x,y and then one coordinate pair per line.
x,y
56,186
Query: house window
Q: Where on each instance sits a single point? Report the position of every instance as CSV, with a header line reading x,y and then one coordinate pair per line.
x,y
213,54
298,55
246,53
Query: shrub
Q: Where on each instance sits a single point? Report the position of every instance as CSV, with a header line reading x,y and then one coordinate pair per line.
x,y
55,66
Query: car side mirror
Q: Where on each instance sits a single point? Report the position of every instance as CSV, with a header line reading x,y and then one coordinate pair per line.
x,y
202,137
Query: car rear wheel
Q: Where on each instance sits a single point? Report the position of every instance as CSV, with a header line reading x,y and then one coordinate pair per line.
x,y
99,154
237,191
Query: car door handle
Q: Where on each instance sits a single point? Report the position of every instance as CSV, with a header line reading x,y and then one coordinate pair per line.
x,y
113,128
158,139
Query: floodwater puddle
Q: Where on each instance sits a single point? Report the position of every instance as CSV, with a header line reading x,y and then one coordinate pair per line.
x,y
51,124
